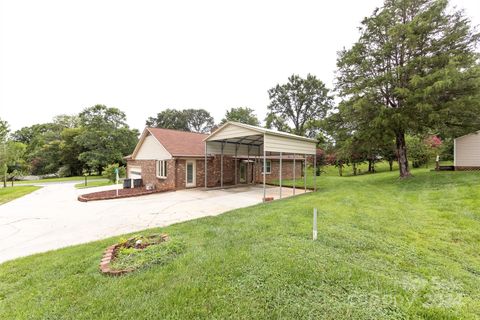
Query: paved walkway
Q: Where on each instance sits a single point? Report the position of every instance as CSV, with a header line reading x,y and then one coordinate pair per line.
x,y
52,218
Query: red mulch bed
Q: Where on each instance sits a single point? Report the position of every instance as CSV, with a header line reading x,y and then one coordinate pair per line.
x,y
112,194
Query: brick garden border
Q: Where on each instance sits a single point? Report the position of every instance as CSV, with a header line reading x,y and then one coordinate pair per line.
x,y
111,194
110,254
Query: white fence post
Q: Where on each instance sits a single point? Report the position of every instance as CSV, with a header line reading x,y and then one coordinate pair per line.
x,y
315,224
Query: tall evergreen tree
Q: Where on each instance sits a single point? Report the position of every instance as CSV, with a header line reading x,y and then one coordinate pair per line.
x,y
413,69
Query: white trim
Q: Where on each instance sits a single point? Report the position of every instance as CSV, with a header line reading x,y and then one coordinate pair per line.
x,y
259,130
144,134
468,134
194,174
268,161
454,152
161,172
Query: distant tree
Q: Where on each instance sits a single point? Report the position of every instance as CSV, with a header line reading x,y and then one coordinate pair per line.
x,y
273,121
105,137
169,119
41,141
199,120
71,150
413,70
298,101
67,121
241,114
4,130
194,120
16,159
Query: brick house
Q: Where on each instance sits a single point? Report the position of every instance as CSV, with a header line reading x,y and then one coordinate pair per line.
x,y
172,160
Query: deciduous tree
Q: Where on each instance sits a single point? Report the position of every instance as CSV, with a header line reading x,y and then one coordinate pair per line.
x,y
297,102
413,69
199,120
241,114
105,137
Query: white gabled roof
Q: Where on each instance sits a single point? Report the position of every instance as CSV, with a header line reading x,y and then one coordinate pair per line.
x,y
257,130
466,135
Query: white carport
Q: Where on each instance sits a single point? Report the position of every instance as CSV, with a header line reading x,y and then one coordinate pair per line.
x,y
238,139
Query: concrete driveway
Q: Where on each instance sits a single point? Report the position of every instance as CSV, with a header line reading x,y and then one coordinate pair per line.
x,y
51,218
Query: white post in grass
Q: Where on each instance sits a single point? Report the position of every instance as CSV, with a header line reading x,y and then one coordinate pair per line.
x,y
280,174
116,180
294,167
205,167
315,224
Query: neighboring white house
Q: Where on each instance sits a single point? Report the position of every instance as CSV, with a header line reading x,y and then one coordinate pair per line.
x,y
467,152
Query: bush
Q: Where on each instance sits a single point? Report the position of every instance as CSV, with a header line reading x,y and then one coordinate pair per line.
x,y
109,172
64,171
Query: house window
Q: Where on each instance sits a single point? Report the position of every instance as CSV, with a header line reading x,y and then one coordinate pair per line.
x,y
161,169
269,167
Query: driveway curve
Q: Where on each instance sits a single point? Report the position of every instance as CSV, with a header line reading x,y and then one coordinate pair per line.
x,y
52,218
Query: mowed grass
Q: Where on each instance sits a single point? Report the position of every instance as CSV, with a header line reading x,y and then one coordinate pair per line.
x,y
94,183
11,193
386,249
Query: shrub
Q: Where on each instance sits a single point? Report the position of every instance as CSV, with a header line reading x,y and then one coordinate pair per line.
x,y
156,254
109,172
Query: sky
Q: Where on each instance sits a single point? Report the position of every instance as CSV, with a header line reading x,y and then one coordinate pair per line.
x,y
59,56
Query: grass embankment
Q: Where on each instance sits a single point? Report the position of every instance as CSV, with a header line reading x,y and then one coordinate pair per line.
x,y
387,249
94,183
64,179
11,193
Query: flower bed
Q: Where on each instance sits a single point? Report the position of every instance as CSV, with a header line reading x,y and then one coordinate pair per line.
x,y
112,194
134,253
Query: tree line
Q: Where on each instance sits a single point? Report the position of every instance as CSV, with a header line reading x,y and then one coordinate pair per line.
x,y
405,88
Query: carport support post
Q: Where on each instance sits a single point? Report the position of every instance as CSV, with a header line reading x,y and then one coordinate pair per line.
x,y
221,168
236,149
264,171
206,170
248,164
305,172
294,167
280,175
315,172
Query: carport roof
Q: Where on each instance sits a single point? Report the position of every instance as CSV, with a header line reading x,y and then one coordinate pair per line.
x,y
260,131
261,139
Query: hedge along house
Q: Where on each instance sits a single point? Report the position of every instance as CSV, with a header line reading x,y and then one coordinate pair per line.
x,y
267,149
172,160
467,152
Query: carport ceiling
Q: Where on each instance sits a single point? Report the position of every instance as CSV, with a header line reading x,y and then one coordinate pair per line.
x,y
262,139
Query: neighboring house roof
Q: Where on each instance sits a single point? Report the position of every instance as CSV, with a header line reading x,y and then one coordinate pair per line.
x,y
466,135
177,143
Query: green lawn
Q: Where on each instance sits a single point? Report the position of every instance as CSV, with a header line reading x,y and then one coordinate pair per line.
x,y
93,183
11,193
65,179
387,249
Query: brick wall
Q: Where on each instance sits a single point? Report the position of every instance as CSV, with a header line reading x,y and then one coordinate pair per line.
x,y
287,171
176,172
149,173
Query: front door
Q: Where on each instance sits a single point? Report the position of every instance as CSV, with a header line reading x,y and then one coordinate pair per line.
x,y
190,179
